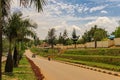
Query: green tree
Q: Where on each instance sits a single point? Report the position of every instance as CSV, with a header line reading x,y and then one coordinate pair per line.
x,y
36,41
117,32
60,40
26,29
74,37
65,37
15,30
10,31
51,38
95,33
4,10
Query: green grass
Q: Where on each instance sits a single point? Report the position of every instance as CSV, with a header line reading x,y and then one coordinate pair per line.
x,y
23,72
98,51
44,51
114,60
93,64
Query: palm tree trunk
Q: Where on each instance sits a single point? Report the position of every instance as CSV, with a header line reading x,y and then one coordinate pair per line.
x,y
15,56
9,62
0,41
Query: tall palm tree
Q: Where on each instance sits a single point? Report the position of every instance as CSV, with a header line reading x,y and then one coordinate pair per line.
x,y
4,9
3,12
10,31
25,30
16,30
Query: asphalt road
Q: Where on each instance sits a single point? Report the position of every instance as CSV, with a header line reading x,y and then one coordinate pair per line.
x,y
53,70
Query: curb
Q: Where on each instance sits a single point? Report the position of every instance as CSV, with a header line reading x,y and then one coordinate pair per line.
x,y
92,68
34,67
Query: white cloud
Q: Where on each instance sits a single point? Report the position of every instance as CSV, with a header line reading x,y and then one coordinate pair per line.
x,y
114,0
64,12
97,8
104,12
118,5
106,23
54,1
61,27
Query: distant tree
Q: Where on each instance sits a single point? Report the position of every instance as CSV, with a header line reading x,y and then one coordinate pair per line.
x,y
74,37
80,41
65,37
95,33
36,41
86,37
60,39
51,37
117,32
69,41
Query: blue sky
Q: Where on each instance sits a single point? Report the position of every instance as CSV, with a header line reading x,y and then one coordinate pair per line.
x,y
69,14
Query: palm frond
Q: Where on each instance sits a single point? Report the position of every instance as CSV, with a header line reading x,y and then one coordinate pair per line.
x,y
38,3
5,7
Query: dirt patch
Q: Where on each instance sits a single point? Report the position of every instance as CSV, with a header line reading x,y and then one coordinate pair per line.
x,y
36,70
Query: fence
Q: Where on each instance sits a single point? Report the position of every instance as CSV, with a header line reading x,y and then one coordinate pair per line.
x,y
100,44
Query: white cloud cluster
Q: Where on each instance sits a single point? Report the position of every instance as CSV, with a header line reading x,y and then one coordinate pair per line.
x,y
65,19
61,8
61,27
98,8
104,12
106,23
118,5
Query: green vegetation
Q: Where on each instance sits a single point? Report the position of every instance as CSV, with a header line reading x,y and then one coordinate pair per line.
x,y
74,37
24,72
100,51
102,58
44,52
4,14
117,31
51,37
94,33
93,64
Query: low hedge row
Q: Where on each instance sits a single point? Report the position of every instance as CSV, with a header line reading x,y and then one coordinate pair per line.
x,y
109,52
101,59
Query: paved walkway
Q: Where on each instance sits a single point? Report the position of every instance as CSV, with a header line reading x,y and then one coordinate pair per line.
x,y
53,70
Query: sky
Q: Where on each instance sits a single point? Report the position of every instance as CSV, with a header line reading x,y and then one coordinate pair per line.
x,y
69,14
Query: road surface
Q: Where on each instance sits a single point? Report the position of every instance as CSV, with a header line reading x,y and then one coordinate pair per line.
x,y
53,70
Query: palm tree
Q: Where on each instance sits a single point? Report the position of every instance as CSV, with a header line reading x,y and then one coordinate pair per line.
x,y
4,9
51,37
25,29
10,31
16,30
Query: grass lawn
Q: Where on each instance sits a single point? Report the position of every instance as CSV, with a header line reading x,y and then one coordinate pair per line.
x,y
93,64
23,72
